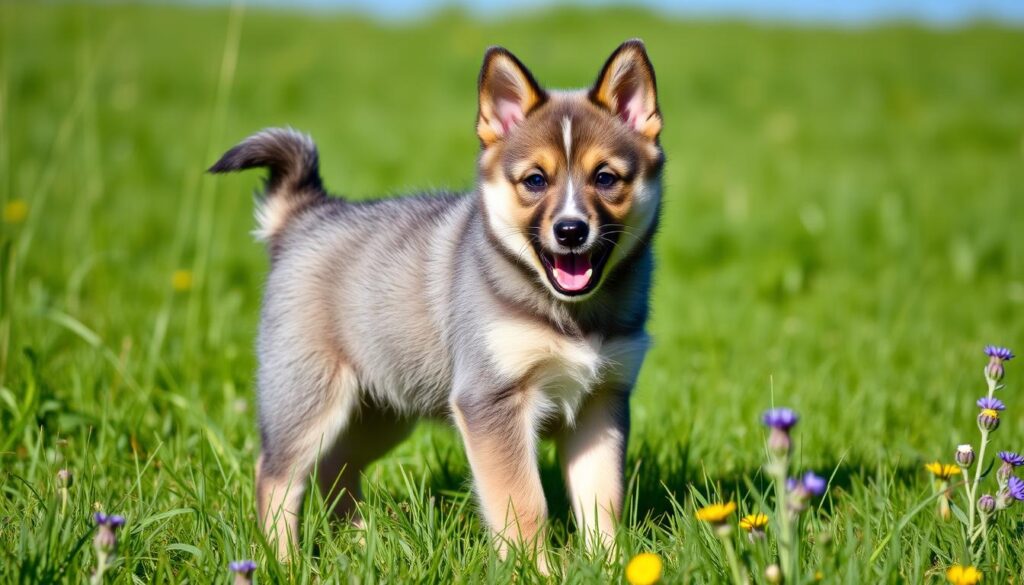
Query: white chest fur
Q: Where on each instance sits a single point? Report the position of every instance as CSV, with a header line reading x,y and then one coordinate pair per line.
x,y
560,371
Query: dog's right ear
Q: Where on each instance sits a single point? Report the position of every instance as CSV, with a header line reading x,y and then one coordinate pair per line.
x,y
508,93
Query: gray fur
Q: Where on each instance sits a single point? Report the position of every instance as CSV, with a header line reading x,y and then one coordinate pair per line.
x,y
402,296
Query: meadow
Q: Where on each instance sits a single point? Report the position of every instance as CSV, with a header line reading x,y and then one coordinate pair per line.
x,y
841,235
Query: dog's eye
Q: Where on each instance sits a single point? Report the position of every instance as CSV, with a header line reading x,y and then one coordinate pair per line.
x,y
605,179
535,182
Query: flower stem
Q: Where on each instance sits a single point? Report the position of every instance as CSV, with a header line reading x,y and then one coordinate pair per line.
x,y
101,567
777,468
972,487
738,576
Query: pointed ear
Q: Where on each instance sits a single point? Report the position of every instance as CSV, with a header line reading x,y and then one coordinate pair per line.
x,y
508,92
626,87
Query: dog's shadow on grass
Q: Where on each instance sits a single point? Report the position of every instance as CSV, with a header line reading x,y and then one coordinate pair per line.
x,y
660,483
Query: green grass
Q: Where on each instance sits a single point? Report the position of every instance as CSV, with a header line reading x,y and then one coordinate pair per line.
x,y
842,234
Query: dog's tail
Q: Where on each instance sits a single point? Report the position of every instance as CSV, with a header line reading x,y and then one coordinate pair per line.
x,y
294,180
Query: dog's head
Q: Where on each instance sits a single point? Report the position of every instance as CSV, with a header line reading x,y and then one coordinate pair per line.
x,y
571,180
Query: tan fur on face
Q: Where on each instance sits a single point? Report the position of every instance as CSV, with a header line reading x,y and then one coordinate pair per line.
x,y
569,139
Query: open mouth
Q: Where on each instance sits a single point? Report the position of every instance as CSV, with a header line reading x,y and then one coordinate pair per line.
x,y
574,273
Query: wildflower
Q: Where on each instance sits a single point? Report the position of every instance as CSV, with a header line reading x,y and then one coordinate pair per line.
x,y
754,525
988,418
1011,461
1003,498
243,571
990,403
1015,487
942,471
987,504
15,211
106,537
716,513
810,485
181,280
958,575
105,542
780,421
997,355
1011,458
644,569
801,490
964,455
64,481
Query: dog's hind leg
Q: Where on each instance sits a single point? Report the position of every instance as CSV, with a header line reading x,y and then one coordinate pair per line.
x,y
298,425
369,435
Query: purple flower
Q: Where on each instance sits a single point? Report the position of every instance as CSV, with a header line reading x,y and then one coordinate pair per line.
x,y
813,483
996,356
105,541
1016,488
246,566
810,485
801,490
1000,353
989,403
65,478
987,503
113,520
782,419
1011,458
243,571
988,420
964,455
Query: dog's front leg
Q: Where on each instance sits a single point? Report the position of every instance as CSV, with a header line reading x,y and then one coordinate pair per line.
x,y
497,427
593,455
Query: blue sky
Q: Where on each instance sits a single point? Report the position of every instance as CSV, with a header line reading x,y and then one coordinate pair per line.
x,y
851,12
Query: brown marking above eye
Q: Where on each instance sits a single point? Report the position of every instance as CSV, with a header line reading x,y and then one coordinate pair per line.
x,y
596,159
543,161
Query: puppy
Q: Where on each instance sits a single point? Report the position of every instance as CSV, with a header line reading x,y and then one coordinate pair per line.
x,y
517,310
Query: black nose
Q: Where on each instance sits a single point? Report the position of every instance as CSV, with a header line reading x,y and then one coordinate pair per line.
x,y
571,232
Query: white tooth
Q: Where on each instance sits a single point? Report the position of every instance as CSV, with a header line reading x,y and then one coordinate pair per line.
x,y
590,271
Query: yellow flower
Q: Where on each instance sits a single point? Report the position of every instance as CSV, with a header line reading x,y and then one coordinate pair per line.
x,y
990,412
181,280
644,569
942,471
752,522
15,211
716,513
958,575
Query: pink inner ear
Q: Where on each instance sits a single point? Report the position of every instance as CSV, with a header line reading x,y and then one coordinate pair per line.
x,y
631,108
509,112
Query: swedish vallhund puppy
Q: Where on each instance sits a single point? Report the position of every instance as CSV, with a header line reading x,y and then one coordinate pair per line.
x,y
516,310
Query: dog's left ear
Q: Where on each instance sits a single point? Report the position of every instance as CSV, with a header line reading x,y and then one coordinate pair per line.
x,y
626,87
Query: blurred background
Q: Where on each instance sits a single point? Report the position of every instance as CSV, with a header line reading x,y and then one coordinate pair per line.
x,y
842,228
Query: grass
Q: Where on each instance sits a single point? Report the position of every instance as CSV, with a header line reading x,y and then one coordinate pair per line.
x,y
841,235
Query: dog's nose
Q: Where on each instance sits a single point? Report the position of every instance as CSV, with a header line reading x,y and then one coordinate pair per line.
x,y
571,232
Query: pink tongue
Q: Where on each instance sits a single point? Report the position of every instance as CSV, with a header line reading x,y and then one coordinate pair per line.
x,y
572,271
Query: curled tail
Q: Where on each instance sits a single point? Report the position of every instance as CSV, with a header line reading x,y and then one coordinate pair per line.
x,y
294,180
